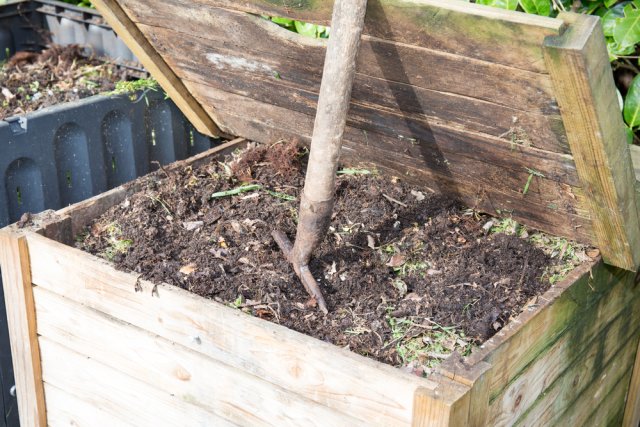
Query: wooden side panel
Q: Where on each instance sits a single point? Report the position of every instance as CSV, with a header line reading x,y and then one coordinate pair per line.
x,y
585,89
480,32
337,379
140,403
173,369
65,409
139,45
21,319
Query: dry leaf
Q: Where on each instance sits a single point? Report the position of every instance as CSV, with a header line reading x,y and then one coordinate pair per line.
x,y
371,242
396,260
188,269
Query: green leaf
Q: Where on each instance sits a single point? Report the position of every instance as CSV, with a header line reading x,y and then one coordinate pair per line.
x,y
615,50
629,133
609,3
502,4
538,7
285,22
627,30
632,104
609,19
306,29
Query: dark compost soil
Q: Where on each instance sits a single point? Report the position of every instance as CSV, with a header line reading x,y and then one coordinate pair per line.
x,y
409,276
30,81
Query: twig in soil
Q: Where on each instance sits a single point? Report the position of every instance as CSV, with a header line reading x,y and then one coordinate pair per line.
x,y
155,162
391,199
235,191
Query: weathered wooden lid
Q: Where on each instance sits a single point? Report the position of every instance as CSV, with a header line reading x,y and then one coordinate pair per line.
x,y
514,114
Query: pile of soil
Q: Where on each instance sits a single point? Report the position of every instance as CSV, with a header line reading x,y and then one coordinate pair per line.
x,y
30,81
408,276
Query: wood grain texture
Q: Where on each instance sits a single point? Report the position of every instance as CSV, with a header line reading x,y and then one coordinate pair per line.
x,y
555,380
586,94
136,41
65,409
451,26
21,321
141,404
219,40
447,405
332,377
174,369
632,406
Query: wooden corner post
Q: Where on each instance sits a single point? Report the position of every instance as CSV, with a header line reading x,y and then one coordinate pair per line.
x,y
583,82
21,319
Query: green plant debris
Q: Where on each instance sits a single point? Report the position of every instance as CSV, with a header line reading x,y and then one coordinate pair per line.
x,y
532,173
132,87
303,28
282,196
237,190
426,343
117,245
354,172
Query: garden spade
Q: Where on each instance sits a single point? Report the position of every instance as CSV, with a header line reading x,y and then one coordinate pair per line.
x,y
317,199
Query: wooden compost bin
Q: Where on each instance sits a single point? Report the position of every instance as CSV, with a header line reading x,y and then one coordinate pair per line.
x,y
466,99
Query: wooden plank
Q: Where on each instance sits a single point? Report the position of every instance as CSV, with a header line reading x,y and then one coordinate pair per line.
x,y
447,405
328,375
484,33
555,210
562,372
139,45
634,150
580,411
296,89
21,320
65,409
298,68
583,81
114,393
587,290
174,369
84,212
632,406
262,41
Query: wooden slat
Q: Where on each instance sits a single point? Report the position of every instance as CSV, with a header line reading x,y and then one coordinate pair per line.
x,y
172,368
139,45
591,290
551,409
632,406
583,81
555,210
447,405
64,409
336,378
456,27
21,320
114,393
562,372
